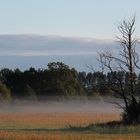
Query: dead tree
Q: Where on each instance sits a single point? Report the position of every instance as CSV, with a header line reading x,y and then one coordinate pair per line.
x,y
127,60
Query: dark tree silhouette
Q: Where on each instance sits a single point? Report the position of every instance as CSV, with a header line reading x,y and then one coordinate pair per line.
x,y
127,61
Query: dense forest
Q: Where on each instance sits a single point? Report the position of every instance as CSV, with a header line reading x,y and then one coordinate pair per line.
x,y
59,80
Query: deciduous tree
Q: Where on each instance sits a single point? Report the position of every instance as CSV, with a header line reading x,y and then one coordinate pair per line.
x,y
127,61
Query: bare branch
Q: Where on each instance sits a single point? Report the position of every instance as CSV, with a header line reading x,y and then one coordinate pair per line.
x,y
126,61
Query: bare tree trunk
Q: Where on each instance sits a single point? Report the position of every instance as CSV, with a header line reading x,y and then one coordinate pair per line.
x,y
126,61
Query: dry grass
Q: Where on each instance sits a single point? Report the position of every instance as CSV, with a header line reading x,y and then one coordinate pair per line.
x,y
62,136
53,120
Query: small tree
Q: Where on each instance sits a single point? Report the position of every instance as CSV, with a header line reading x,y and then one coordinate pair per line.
x,y
5,94
63,80
29,93
126,61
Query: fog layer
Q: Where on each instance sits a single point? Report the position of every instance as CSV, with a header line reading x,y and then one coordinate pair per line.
x,y
95,105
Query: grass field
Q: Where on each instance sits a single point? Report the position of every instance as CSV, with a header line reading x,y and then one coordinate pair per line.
x,y
62,136
55,126
53,120
68,121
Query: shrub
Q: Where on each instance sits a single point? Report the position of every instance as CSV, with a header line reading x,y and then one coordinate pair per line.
x,y
132,115
29,93
5,94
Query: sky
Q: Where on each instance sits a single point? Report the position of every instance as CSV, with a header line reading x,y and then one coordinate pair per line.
x,y
82,18
25,51
36,32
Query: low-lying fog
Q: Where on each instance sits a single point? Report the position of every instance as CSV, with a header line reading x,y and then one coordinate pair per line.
x,y
82,104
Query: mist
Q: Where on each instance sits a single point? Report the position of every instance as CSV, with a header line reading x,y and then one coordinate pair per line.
x,y
64,105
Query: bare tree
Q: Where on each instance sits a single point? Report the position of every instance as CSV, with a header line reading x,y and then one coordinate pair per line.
x,y
127,60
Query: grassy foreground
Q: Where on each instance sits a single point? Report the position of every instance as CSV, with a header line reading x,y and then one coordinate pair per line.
x,y
62,136
64,126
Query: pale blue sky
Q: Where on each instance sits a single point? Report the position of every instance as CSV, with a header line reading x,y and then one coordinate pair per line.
x,y
84,18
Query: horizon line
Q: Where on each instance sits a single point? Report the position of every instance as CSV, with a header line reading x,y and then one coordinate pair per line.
x,y
57,36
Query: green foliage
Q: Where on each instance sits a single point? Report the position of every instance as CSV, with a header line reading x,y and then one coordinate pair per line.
x,y
5,94
56,66
57,80
60,79
108,128
63,80
29,93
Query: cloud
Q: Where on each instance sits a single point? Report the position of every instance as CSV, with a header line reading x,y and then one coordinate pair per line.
x,y
33,45
24,51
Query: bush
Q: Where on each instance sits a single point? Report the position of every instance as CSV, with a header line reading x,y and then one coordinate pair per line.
x,y
5,94
29,93
132,115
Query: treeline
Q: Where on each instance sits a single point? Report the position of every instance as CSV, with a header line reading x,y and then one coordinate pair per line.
x,y
109,83
60,80
57,80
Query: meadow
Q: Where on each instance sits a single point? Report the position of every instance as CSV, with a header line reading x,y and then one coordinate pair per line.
x,y
63,123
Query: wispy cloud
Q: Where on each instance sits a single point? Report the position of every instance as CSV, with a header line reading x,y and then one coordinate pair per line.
x,y
36,45
24,51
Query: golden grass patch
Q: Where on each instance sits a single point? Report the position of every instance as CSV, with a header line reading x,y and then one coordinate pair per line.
x,y
53,120
62,136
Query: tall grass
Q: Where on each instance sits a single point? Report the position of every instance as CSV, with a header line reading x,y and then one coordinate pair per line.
x,y
62,136
53,120
33,126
